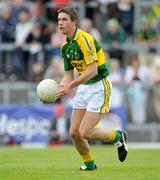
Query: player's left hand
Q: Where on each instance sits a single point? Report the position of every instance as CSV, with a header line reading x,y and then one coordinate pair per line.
x,y
63,90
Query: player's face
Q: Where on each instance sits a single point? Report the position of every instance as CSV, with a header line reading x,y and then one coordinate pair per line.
x,y
65,24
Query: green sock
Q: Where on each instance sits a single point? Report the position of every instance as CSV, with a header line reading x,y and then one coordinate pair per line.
x,y
118,137
90,164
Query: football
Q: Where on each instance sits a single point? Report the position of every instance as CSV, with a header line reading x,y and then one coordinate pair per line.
x,y
46,90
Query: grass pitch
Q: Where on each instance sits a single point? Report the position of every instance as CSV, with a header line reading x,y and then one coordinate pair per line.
x,y
62,163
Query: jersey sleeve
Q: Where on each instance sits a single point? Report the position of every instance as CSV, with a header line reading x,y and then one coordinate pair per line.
x,y
67,64
89,50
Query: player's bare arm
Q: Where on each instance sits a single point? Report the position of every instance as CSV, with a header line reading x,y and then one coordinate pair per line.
x,y
68,77
90,72
64,88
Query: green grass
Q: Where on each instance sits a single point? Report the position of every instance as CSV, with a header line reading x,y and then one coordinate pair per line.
x,y
62,163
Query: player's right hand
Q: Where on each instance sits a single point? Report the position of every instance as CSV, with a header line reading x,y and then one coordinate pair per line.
x,y
63,90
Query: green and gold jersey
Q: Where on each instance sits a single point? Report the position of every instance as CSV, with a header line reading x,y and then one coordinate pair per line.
x,y
82,51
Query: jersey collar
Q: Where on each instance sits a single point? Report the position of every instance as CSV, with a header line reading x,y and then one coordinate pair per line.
x,y
75,35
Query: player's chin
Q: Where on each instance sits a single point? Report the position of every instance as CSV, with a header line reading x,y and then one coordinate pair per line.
x,y
63,31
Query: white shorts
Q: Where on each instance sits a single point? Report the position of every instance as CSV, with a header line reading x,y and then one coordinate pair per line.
x,y
94,97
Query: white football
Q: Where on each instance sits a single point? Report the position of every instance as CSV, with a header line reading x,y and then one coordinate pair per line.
x,y
46,90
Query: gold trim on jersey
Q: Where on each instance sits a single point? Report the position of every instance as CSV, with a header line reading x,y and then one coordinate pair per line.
x,y
100,57
91,53
88,45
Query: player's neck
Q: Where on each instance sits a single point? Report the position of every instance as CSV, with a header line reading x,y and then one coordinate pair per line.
x,y
71,34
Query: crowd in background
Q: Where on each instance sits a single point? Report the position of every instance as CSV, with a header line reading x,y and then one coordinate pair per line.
x,y
31,27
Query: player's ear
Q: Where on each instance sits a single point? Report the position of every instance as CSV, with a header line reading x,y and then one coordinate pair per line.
x,y
76,22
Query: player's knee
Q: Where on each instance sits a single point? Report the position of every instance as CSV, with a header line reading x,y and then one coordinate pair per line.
x,y
85,134
74,134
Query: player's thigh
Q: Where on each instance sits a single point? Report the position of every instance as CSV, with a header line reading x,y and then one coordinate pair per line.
x,y
90,120
76,119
